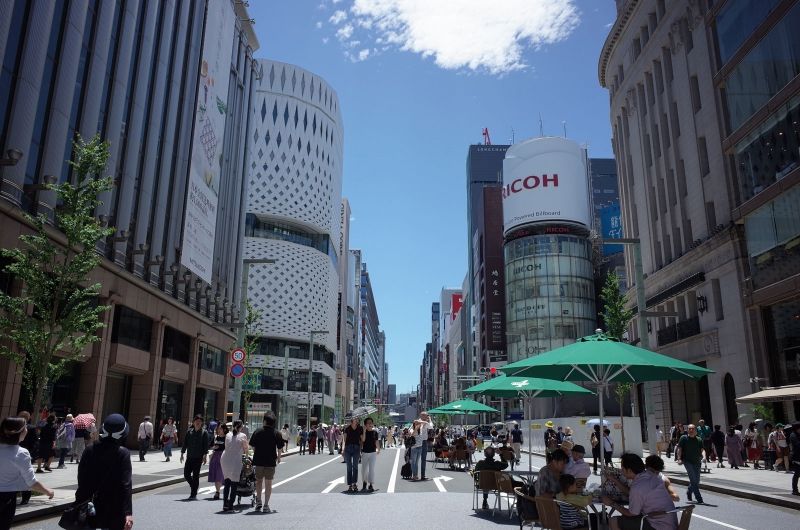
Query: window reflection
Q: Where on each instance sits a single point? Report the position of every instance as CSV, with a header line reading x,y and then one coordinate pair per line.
x,y
737,20
268,229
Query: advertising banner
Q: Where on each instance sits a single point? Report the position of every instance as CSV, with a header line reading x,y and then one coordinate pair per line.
x,y
200,220
544,181
611,227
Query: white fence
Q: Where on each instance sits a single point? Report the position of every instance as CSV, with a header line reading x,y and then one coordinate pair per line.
x,y
581,432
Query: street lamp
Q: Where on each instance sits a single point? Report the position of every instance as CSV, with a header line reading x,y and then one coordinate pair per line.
x,y
240,327
309,408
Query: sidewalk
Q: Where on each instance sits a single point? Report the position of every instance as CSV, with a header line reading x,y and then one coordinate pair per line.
x,y
150,474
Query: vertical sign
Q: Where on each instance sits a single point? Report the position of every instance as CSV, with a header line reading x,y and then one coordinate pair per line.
x,y
200,220
611,227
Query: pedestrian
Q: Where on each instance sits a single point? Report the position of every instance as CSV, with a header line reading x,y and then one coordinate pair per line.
x,y
733,444
704,433
422,428
516,442
340,438
718,442
195,447
266,444
169,436
550,439
215,473
79,444
46,445
352,452
794,444
370,448
285,435
752,442
320,439
781,449
660,442
231,463
16,469
743,450
312,440
303,436
144,436
330,438
104,476
64,439
690,453
608,447
596,448
568,435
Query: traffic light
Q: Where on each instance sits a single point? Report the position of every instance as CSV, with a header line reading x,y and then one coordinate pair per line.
x,y
492,372
484,373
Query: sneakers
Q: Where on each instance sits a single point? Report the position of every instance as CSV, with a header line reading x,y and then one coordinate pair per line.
x,y
370,489
62,466
266,509
689,496
363,486
258,507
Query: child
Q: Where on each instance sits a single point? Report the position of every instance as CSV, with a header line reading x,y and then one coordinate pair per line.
x,y
573,514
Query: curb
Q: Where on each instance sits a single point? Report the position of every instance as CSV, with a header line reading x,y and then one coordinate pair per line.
x,y
61,506
742,494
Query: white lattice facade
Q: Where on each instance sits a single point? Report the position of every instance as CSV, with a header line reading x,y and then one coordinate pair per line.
x,y
293,216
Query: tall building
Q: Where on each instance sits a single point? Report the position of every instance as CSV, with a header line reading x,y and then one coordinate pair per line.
x,y
371,342
486,340
294,217
391,397
169,86
345,332
677,199
757,83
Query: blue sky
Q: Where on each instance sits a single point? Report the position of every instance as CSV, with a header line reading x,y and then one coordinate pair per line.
x,y
435,73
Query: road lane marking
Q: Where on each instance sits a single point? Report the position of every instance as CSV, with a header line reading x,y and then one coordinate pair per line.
x,y
393,477
304,472
710,520
333,484
438,481
209,490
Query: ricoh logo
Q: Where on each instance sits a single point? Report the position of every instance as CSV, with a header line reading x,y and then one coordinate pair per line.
x,y
529,183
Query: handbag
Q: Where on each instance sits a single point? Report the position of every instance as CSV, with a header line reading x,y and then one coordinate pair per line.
x,y
78,516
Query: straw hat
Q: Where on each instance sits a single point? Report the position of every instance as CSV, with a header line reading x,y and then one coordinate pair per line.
x,y
549,424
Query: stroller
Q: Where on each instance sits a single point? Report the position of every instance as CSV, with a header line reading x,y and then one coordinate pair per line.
x,y
246,487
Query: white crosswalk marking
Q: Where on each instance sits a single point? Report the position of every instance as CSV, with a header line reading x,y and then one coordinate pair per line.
x,y
393,477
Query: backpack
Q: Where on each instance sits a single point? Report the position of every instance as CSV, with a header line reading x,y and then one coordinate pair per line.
x,y
552,441
405,471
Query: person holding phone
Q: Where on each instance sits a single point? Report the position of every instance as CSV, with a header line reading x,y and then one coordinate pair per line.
x,y
369,450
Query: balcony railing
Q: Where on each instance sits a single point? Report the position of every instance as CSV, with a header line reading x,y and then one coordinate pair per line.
x,y
681,330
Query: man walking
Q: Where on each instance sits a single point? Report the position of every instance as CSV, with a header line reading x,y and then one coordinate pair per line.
x,y
145,435
320,438
689,452
516,441
266,443
195,446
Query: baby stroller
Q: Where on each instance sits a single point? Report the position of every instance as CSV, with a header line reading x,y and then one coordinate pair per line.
x,y
246,486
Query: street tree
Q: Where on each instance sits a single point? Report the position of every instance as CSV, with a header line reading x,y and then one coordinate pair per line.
x,y
57,314
251,342
616,318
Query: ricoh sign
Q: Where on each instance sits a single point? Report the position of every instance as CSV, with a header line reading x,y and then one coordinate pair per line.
x,y
545,181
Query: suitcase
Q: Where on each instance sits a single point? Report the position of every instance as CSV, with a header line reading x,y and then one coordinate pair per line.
x,y
405,471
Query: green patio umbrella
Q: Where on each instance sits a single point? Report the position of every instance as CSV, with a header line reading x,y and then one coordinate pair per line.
x,y
526,388
603,360
462,406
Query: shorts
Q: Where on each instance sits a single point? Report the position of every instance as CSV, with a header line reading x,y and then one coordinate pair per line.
x,y
265,473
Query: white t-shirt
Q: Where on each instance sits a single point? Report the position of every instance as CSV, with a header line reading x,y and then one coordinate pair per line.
x,y
16,471
145,430
608,445
422,437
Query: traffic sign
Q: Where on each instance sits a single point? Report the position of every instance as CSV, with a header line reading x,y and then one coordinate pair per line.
x,y
237,370
238,355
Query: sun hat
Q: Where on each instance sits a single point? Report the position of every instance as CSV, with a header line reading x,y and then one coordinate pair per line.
x,y
114,426
549,424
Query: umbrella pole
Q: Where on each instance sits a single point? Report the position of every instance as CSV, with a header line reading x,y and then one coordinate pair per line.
x,y
529,403
600,389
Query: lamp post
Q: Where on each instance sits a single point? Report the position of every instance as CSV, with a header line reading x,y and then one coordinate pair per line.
x,y
310,372
241,330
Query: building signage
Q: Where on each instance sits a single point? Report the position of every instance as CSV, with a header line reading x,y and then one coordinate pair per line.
x,y
200,218
611,227
456,302
545,181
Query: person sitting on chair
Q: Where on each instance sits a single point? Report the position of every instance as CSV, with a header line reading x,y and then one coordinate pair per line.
x,y
488,464
647,495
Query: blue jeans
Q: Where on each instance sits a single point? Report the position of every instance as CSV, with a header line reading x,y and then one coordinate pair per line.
x,y
168,449
418,455
351,454
693,470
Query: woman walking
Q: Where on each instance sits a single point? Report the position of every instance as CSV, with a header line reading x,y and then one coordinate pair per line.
x,y
752,442
733,443
303,440
608,447
718,440
16,470
231,461
596,447
369,449
47,441
169,436
312,441
64,438
215,473
352,451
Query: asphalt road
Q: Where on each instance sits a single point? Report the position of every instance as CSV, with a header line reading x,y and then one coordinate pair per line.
x,y
310,490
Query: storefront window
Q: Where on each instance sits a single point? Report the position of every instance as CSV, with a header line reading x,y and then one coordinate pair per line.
x,y
765,70
170,402
782,323
771,152
773,239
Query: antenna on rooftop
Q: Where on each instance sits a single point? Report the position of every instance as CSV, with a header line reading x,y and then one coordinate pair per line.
x,y
541,127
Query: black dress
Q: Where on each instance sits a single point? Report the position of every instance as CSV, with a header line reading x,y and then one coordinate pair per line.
x,y
47,437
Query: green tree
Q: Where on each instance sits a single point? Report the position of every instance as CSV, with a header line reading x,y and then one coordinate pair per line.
x,y
250,345
616,318
56,315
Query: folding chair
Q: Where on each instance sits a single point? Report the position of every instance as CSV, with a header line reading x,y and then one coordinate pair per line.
x,y
486,482
505,487
686,516
526,509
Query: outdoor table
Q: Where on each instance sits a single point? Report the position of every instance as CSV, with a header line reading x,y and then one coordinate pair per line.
x,y
528,476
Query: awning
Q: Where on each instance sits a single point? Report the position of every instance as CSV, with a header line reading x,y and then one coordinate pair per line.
x,y
778,393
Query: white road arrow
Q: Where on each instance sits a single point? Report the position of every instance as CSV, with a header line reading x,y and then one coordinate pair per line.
x,y
438,481
333,484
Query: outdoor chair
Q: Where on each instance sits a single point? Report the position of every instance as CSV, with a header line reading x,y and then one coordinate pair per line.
x,y
505,487
442,456
580,483
486,482
550,514
459,458
683,523
526,509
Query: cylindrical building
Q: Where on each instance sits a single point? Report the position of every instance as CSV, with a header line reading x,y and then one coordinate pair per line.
x,y
293,217
549,278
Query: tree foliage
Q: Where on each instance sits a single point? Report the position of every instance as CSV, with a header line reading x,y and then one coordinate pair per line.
x,y
614,314
251,342
50,323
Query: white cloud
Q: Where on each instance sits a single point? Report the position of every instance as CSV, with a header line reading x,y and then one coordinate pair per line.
x,y
338,17
319,25
363,54
473,34
325,40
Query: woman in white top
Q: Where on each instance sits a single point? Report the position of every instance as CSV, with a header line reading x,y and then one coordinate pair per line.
x,y
231,461
16,470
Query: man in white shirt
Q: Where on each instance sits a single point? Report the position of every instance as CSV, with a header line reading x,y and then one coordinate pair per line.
x,y
576,466
420,450
145,436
